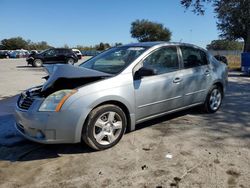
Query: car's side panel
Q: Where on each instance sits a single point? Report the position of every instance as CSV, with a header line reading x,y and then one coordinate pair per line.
x,y
162,92
196,82
156,94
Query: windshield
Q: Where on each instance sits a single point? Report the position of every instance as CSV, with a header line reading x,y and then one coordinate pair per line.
x,y
114,60
43,51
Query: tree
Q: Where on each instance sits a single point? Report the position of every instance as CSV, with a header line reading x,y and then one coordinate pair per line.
x,y
144,30
19,43
38,45
107,46
65,46
2,47
14,43
233,17
102,46
42,45
118,44
225,45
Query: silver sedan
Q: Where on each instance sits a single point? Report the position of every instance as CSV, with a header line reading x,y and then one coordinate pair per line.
x,y
99,100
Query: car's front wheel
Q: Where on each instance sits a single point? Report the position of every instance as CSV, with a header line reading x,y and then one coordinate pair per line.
x,y
37,63
105,127
213,100
71,61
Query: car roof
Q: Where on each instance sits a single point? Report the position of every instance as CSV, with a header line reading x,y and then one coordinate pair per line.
x,y
62,48
58,49
161,43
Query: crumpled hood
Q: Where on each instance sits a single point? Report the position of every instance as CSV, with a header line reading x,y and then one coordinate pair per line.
x,y
70,72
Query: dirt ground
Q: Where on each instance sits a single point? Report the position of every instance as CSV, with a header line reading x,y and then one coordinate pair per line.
x,y
186,149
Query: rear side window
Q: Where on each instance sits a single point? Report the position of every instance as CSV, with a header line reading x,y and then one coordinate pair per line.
x,y
69,51
163,60
58,51
64,51
193,57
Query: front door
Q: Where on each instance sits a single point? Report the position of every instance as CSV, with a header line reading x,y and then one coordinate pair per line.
x,y
162,92
50,56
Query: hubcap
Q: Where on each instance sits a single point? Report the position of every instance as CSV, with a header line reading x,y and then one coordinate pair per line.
x,y
107,128
38,62
71,61
215,99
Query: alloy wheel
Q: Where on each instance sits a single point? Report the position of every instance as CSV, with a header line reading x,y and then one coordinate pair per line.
x,y
107,128
215,99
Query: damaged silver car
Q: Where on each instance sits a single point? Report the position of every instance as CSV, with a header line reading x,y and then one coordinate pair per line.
x,y
97,101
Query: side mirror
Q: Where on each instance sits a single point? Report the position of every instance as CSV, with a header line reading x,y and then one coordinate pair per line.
x,y
145,71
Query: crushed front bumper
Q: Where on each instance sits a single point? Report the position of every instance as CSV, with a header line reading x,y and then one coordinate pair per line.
x,y
30,60
46,127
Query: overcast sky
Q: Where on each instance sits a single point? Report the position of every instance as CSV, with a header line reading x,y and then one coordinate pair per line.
x,y
88,22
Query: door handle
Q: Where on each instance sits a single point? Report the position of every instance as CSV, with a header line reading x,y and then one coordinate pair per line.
x,y
177,80
207,72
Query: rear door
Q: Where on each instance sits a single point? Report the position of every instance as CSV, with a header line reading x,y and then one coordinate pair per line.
x,y
196,75
162,92
61,55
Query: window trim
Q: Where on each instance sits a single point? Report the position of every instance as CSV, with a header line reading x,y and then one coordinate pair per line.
x,y
196,48
139,64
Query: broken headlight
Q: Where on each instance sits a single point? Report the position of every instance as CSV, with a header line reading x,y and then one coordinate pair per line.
x,y
55,101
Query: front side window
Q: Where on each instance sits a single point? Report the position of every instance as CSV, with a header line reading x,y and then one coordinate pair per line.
x,y
163,60
114,60
50,52
193,57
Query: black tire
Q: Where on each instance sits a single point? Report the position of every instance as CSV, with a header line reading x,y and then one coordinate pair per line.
x,y
208,106
70,61
37,63
90,127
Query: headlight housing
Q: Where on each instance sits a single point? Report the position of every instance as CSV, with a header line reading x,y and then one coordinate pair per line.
x,y
55,101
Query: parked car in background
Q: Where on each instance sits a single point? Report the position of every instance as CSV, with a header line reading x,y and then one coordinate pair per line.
x,y
90,52
112,92
78,53
34,52
13,54
4,54
52,56
22,54
19,54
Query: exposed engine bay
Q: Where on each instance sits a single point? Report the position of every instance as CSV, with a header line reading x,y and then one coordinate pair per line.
x,y
66,77
69,77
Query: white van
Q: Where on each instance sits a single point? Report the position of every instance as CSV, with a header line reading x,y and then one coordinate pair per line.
x,y
78,53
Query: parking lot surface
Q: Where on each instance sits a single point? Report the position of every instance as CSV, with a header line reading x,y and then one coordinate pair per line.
x,y
185,149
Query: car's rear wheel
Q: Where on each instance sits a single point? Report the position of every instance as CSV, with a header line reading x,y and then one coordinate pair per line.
x,y
105,127
213,100
37,63
71,61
